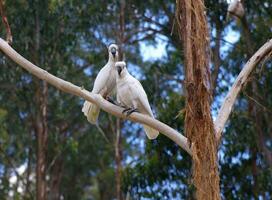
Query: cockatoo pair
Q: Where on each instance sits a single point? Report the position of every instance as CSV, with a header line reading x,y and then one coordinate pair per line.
x,y
130,93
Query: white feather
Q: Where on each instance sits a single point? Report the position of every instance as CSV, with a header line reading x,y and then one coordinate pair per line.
x,y
131,94
236,8
104,84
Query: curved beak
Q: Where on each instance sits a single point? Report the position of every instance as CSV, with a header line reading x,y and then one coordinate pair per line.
x,y
113,51
119,69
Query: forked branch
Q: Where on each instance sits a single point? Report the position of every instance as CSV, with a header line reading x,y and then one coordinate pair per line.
x,y
70,88
239,83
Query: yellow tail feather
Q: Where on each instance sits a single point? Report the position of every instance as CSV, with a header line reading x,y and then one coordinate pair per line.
x,y
150,132
91,111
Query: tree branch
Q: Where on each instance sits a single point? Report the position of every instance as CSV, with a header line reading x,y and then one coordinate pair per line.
x,y
241,80
97,99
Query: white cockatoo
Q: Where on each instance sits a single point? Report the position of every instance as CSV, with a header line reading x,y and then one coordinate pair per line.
x,y
131,95
236,8
104,84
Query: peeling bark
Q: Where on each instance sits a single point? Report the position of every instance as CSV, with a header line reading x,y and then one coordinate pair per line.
x,y
199,128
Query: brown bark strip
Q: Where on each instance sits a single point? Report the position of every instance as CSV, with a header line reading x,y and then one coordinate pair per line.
x,y
5,22
193,30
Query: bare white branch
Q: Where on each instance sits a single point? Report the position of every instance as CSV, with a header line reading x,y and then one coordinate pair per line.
x,y
240,81
68,87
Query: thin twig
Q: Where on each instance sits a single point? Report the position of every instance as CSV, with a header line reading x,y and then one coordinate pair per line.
x,y
102,132
258,103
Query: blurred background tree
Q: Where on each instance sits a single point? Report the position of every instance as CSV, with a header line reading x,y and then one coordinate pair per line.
x,y
69,39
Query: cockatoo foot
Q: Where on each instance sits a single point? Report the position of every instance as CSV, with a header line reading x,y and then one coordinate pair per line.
x,y
109,99
129,111
125,110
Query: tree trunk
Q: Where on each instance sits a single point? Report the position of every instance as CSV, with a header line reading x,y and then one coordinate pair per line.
x,y
254,170
42,140
28,172
216,56
193,31
118,147
41,128
56,176
118,160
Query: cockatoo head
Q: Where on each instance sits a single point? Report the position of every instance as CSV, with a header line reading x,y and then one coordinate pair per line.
x,y
236,8
113,52
121,69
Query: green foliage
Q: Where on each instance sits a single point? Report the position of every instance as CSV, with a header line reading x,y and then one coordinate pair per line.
x,y
72,39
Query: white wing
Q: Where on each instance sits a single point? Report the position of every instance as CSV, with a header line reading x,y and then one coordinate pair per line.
x,y
141,96
143,106
101,80
103,84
